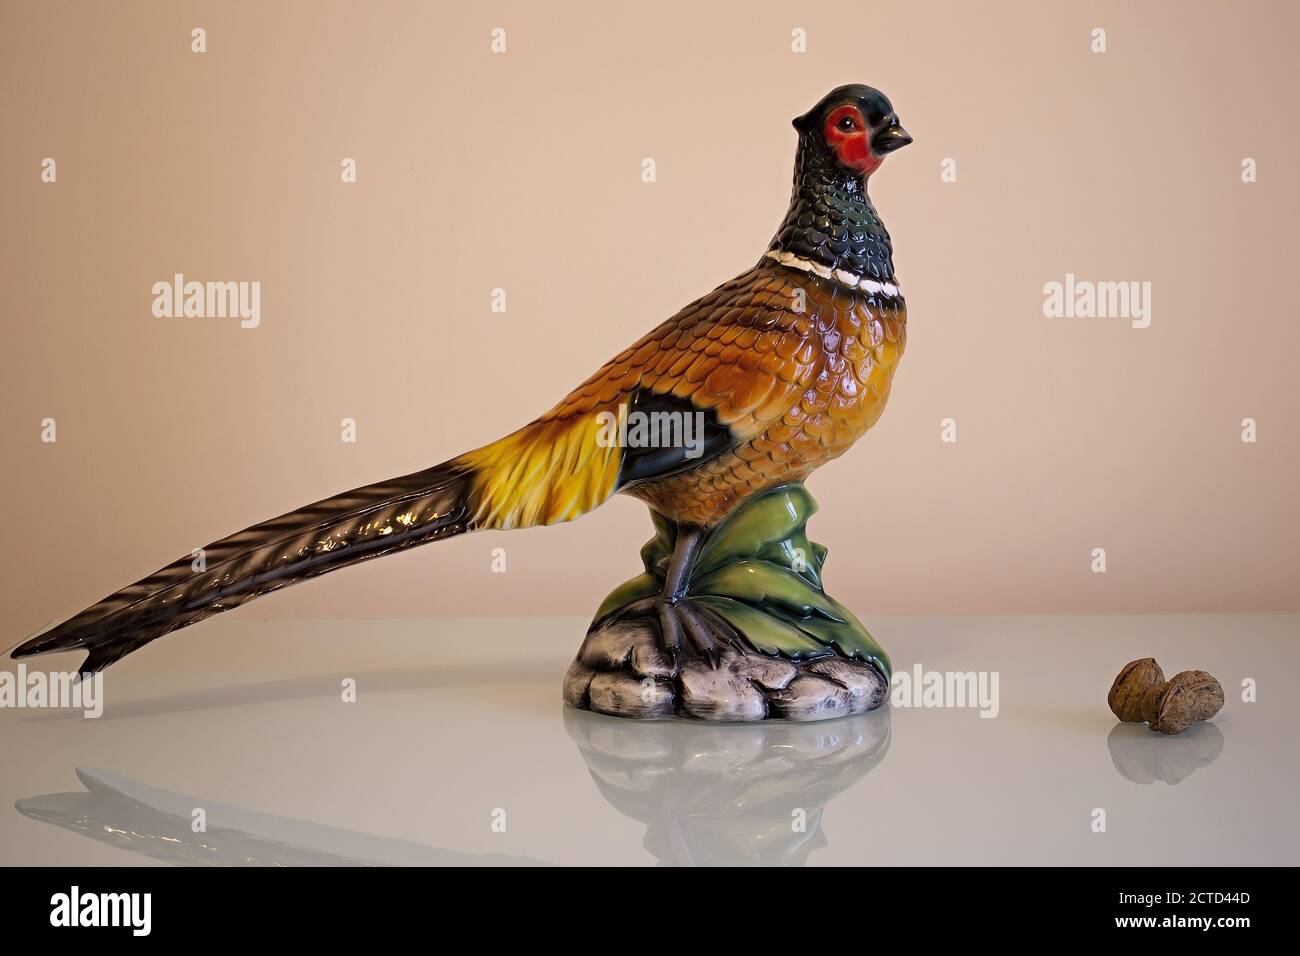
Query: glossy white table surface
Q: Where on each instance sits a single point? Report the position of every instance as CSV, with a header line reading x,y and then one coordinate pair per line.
x,y
458,750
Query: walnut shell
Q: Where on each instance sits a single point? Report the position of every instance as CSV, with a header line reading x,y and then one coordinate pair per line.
x,y
1175,709
1132,683
1187,697
1206,692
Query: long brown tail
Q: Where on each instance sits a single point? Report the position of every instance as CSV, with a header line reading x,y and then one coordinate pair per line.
x,y
330,534
545,472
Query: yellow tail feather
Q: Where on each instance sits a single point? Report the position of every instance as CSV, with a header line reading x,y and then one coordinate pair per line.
x,y
545,473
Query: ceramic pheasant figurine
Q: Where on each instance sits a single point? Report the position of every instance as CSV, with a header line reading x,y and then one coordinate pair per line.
x,y
721,413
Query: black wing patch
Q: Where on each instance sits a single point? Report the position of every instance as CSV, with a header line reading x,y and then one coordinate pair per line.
x,y
662,435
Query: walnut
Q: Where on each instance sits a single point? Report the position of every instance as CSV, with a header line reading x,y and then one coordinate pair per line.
x,y
1173,706
1130,687
1207,691
1172,710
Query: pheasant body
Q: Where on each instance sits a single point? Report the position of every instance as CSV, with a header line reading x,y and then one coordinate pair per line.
x,y
795,388
794,357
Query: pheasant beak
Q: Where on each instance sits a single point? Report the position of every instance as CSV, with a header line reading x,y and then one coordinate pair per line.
x,y
890,138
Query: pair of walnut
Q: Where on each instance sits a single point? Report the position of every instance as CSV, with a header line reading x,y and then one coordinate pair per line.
x,y
1140,692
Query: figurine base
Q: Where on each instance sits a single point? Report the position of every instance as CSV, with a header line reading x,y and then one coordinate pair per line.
x,y
623,671
730,623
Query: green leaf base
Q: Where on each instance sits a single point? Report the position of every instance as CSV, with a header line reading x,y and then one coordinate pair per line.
x,y
781,648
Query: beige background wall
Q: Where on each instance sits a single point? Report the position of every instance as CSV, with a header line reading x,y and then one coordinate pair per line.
x,y
522,171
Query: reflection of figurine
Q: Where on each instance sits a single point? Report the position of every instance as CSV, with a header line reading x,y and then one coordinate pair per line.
x,y
1144,757
159,824
714,419
716,795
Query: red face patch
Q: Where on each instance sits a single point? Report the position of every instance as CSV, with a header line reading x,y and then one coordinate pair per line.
x,y
848,136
